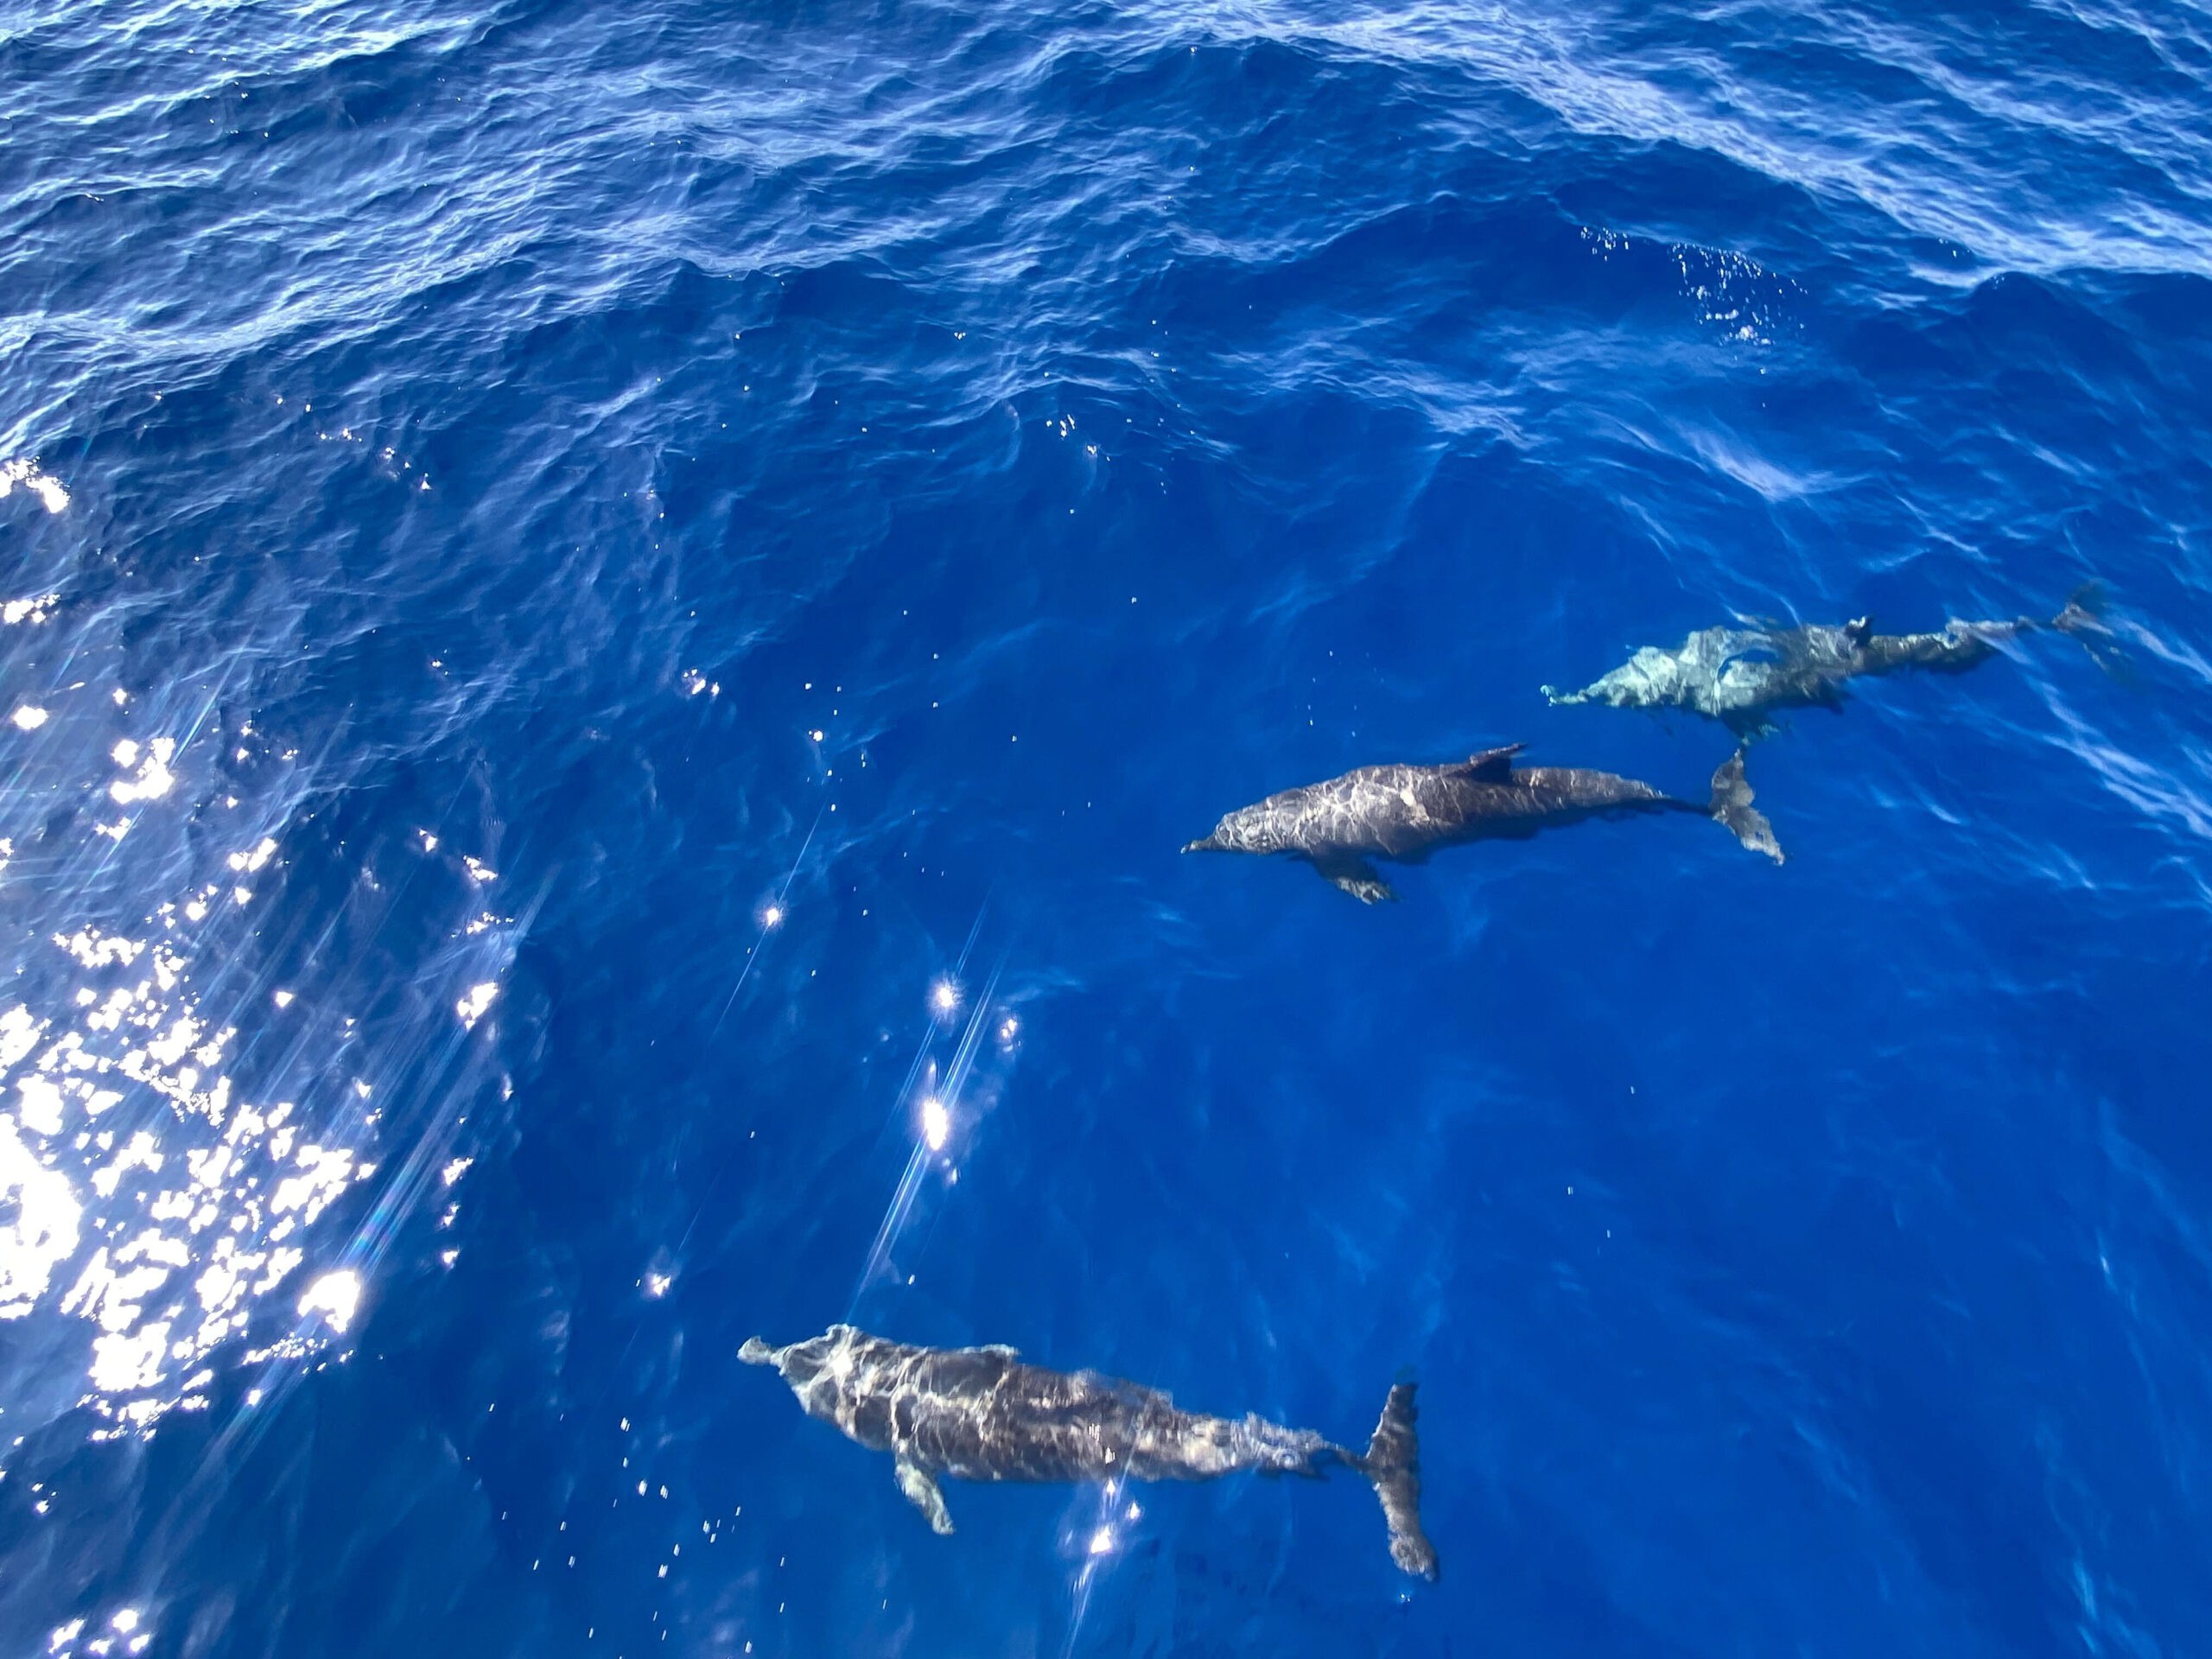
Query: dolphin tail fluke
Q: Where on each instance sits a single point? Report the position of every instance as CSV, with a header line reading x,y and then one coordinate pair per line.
x,y
1731,806
2085,610
2084,618
1392,1463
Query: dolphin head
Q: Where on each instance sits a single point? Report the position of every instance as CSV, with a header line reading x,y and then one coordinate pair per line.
x,y
802,1362
1244,830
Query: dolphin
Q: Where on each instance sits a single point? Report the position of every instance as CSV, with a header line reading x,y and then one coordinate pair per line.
x,y
1407,812
1740,677
980,1413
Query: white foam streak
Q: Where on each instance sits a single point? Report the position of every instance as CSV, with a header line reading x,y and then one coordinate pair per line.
x,y
2154,791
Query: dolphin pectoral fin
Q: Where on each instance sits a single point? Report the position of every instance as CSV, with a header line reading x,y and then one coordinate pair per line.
x,y
1357,877
920,1487
1731,806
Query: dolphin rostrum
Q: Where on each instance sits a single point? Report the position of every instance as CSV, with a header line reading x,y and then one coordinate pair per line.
x,y
1740,677
1407,812
980,1413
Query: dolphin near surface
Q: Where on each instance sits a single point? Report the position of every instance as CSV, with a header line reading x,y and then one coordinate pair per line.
x,y
980,1413
1405,813
1742,677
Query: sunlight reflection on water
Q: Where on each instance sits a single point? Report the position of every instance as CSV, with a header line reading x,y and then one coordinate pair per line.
x,y
191,1213
947,1106
146,1202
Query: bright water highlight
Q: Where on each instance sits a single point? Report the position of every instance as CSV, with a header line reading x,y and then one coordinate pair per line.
x,y
612,619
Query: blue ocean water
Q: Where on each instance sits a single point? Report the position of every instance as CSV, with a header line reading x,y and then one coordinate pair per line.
x,y
602,603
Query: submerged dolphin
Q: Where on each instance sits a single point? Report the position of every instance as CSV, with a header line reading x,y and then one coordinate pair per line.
x,y
1407,812
980,1415
1740,677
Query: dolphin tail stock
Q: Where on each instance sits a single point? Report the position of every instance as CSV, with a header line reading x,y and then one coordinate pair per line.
x,y
1731,806
1392,1464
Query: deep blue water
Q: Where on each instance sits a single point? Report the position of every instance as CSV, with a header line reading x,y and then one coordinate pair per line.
x,y
502,496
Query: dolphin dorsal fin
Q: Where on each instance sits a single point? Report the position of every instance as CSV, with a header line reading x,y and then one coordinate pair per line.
x,y
1858,630
1493,765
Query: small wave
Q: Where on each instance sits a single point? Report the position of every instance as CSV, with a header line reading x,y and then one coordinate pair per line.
x,y
1735,294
